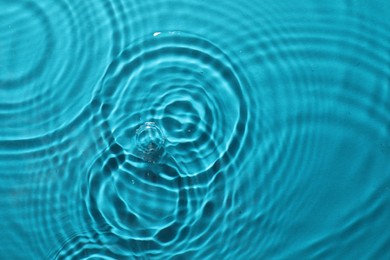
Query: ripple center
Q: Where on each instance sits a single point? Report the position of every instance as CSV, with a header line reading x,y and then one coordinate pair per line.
x,y
149,138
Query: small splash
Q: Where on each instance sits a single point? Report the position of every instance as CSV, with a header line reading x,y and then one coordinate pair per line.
x,y
149,138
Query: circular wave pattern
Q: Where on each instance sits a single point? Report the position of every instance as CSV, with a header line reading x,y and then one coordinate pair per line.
x,y
45,54
135,198
140,207
117,145
188,87
30,27
163,102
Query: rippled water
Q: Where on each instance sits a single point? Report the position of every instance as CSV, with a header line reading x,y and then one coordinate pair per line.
x,y
194,129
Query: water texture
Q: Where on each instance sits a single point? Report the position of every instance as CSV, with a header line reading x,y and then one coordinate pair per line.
x,y
194,129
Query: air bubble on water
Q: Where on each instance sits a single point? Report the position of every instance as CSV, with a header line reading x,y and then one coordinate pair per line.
x,y
149,138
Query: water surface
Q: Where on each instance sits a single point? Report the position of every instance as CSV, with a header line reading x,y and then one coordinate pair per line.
x,y
194,129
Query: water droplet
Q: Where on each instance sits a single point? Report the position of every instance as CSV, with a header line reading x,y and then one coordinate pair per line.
x,y
149,138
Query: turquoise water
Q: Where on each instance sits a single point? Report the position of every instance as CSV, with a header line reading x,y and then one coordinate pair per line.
x,y
194,129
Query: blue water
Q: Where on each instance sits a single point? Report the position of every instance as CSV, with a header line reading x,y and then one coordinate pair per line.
x,y
194,129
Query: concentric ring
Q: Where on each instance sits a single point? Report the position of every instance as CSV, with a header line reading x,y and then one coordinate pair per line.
x,y
189,87
173,120
135,198
28,38
46,56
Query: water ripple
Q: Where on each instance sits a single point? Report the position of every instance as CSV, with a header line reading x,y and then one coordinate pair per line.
x,y
171,129
163,140
45,63
164,76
